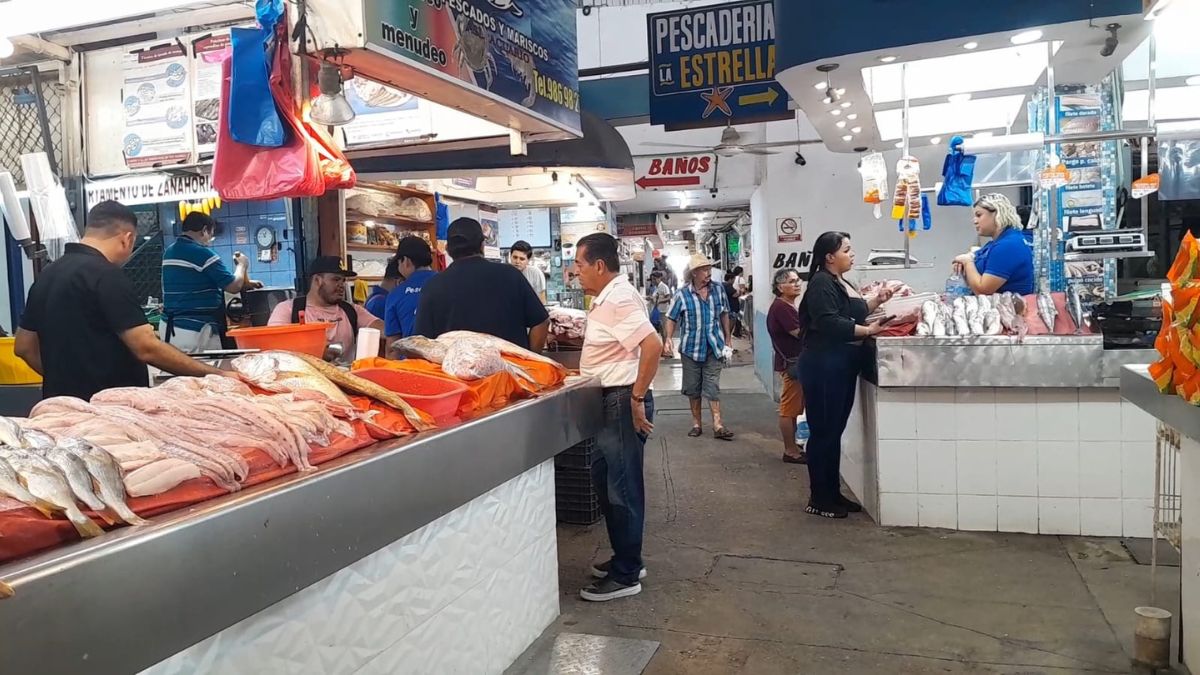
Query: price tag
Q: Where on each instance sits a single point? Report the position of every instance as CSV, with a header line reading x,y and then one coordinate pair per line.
x,y
1145,186
1054,177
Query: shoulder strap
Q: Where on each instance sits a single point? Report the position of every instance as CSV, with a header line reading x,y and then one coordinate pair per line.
x,y
351,316
298,305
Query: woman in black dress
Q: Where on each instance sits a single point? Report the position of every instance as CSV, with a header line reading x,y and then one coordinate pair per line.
x,y
833,315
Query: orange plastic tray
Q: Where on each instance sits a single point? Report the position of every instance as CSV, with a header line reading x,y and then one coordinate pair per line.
x,y
306,338
437,396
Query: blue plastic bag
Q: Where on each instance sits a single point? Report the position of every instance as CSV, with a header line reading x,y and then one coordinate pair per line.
x,y
958,172
253,119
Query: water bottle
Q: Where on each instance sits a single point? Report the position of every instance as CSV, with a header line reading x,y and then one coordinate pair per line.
x,y
956,286
801,432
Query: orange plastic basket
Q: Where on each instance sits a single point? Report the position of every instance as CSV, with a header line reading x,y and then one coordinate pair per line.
x,y
306,338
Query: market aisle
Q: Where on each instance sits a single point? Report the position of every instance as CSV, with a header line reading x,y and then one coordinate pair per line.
x,y
741,581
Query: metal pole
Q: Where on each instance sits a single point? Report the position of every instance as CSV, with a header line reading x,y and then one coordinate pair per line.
x,y
904,153
43,120
1150,124
1051,154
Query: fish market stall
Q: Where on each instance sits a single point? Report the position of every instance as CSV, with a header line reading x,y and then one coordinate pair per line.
x,y
373,547
1001,433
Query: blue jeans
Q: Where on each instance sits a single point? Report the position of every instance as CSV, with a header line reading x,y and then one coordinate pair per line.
x,y
620,485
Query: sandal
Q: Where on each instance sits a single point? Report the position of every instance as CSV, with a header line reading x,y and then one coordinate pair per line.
x,y
696,432
826,512
723,434
802,458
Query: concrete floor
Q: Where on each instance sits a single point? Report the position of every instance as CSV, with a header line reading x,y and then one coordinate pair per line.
x,y
742,581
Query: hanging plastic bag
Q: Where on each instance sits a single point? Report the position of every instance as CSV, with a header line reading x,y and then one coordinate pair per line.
x,y
874,180
958,172
253,118
926,214
906,200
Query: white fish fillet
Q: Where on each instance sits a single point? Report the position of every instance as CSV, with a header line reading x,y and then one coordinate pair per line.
x,y
158,477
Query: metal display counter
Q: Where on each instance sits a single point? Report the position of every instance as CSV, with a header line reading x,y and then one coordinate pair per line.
x,y
267,556
994,433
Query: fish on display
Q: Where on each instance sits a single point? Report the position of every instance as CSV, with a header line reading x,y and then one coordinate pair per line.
x,y
107,474
504,346
421,347
284,372
11,485
1075,305
45,482
1046,310
76,473
10,433
353,383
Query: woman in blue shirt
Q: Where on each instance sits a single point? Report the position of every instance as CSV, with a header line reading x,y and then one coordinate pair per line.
x,y
1004,264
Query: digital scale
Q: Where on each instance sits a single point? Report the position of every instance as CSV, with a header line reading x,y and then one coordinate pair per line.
x,y
1107,241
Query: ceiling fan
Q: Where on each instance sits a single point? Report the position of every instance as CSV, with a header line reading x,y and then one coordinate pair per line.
x,y
731,145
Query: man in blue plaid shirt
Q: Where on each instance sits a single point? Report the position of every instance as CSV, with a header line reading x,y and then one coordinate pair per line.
x,y
701,313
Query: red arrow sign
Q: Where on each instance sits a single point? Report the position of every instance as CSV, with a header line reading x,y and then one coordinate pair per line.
x,y
646,182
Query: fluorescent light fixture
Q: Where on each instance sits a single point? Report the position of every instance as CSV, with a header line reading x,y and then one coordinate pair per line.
x,y
852,116
965,72
996,112
835,112
846,104
935,140
856,130
1193,81
820,85
841,92
847,138
1170,103
1026,37
826,100
970,45
887,59
959,98
841,124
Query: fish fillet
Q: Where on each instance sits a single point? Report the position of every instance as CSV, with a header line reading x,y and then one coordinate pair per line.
x,y
158,477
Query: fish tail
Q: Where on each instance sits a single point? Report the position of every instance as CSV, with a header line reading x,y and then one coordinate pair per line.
x,y
44,507
126,514
84,525
107,517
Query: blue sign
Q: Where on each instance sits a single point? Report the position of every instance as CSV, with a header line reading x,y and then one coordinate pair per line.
x,y
713,65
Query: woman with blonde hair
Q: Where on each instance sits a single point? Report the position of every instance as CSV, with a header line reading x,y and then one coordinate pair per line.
x,y
1005,263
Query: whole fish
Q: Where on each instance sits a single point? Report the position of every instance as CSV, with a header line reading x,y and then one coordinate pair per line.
x,y
10,484
420,347
504,346
353,383
285,372
38,440
107,474
45,482
76,473
10,433
1075,305
1046,310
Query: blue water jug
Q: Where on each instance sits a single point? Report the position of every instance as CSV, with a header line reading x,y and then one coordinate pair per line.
x,y
801,432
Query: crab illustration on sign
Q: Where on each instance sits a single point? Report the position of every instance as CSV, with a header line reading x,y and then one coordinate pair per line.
x,y
526,71
509,6
473,51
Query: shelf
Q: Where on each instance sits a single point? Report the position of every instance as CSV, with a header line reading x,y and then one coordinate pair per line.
x,y
395,221
370,248
1110,255
896,266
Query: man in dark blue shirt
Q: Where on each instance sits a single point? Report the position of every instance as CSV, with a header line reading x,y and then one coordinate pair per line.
x,y
377,302
414,262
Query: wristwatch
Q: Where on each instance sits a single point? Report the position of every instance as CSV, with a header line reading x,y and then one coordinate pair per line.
x,y
639,399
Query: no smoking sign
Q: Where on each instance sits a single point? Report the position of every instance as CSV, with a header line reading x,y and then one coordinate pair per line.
x,y
788,230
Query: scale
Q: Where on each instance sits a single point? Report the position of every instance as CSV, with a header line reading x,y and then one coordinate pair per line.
x,y
1107,241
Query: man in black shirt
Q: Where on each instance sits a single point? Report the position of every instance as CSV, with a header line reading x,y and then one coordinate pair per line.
x,y
479,295
83,328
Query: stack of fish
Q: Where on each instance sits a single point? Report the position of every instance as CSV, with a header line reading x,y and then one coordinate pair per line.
x,y
52,474
974,315
470,356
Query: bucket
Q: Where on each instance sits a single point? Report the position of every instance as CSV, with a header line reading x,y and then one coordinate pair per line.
x,y
306,338
13,369
437,396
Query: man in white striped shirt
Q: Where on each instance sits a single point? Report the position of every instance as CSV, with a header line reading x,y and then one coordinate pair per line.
x,y
621,349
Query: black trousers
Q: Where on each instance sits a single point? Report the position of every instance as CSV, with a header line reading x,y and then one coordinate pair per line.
x,y
829,377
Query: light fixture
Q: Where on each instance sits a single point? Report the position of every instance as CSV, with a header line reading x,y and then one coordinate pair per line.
x,y
970,45
820,85
1193,81
1026,37
826,100
856,130
330,107
852,116
841,124
847,138
846,104
835,112
6,48
935,140
841,92
959,98
887,59
831,94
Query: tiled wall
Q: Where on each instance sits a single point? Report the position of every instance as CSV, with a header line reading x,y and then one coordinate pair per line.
x,y
251,216
1049,461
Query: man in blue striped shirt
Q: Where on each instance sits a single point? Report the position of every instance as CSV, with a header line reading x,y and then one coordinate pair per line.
x,y
701,312
195,282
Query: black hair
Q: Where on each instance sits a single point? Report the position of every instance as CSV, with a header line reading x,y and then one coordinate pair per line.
x,y
392,270
599,246
111,218
198,222
522,246
737,271
826,244
415,249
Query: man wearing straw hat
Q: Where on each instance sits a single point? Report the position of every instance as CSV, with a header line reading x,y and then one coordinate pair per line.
x,y
701,313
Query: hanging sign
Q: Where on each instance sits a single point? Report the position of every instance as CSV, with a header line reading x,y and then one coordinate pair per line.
x,y
521,52
208,53
713,64
788,230
1055,176
1145,186
637,225
150,188
676,172
156,98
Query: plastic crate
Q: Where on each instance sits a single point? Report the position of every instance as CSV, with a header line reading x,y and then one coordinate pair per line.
x,y
575,497
578,456
574,483
573,515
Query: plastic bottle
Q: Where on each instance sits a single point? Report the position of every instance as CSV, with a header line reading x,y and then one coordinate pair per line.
x,y
956,286
801,432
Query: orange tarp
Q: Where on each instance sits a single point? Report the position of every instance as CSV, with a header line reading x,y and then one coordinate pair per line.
x,y
489,393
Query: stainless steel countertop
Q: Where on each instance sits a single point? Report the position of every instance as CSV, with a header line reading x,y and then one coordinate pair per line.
x,y
135,596
1001,361
1139,389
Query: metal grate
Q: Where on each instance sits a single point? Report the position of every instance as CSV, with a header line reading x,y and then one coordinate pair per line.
x,y
1168,512
20,123
144,267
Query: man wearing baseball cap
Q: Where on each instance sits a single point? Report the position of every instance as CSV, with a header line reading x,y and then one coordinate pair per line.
x,y
326,302
479,295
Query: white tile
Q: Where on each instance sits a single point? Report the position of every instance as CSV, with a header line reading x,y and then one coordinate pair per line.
x,y
1137,518
1136,424
1137,470
935,413
1017,469
1016,414
897,509
895,394
897,419
936,473
1057,515
1100,469
937,511
977,512
1100,517
1017,514
1057,414
897,466
976,467
1099,414
1058,468
975,413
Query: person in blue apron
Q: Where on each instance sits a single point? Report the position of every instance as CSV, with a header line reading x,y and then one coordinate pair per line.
x,y
195,282
1005,263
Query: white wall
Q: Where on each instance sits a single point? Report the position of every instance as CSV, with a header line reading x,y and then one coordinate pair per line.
x,y
614,35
